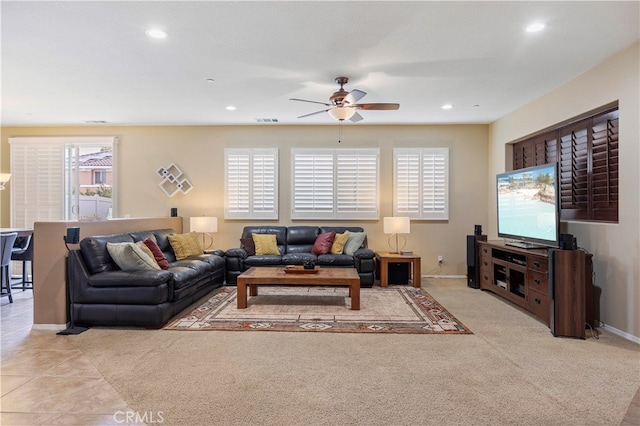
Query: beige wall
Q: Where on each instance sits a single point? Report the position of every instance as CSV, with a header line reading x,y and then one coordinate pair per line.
x,y
615,246
198,151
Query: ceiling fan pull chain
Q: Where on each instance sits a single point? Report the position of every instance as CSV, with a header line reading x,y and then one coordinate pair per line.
x,y
339,131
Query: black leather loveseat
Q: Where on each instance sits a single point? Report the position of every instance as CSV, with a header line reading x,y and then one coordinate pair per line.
x,y
103,294
295,244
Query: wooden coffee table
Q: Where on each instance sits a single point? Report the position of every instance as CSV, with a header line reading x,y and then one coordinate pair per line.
x,y
276,275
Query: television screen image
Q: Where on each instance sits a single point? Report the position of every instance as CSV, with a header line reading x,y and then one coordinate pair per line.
x,y
527,206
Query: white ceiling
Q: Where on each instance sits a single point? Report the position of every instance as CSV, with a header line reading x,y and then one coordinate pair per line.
x,y
66,63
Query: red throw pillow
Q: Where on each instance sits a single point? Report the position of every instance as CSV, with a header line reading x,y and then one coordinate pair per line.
x,y
157,253
323,243
248,245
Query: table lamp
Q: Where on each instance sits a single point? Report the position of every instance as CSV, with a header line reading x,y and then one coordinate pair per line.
x,y
396,225
206,226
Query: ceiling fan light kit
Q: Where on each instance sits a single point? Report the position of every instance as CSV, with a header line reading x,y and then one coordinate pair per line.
x,y
343,104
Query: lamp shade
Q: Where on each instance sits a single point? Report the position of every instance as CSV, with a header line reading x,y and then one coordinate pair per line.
x,y
4,178
396,225
341,113
203,224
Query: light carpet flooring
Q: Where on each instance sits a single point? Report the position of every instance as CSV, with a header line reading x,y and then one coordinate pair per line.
x,y
510,371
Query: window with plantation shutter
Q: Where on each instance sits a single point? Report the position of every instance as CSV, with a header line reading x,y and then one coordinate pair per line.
x,y
586,151
37,183
335,184
46,183
421,183
251,183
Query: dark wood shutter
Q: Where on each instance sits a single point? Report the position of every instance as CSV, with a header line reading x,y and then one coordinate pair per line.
x,y
574,171
587,155
604,173
536,151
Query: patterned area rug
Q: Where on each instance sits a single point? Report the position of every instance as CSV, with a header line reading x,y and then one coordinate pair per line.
x,y
395,309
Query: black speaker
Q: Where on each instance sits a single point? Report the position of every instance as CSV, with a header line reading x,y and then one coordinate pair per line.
x,y
473,268
477,229
174,212
73,236
568,242
399,273
471,262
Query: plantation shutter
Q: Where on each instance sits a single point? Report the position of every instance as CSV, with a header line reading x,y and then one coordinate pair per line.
x,y
574,171
421,183
251,183
312,183
537,151
604,160
407,183
37,182
357,184
434,183
334,184
587,155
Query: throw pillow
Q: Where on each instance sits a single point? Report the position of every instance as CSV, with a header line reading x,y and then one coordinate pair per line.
x,y
323,243
162,261
338,243
185,245
130,257
354,242
248,245
146,250
266,244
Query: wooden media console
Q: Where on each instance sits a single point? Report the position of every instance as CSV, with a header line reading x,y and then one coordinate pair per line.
x,y
554,285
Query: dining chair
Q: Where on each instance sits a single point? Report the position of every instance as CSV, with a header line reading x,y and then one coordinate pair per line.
x,y
23,251
6,245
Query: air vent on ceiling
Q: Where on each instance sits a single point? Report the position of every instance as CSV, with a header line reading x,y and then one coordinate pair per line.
x,y
267,120
96,122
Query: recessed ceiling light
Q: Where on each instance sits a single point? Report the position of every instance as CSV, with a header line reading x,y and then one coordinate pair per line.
x,y
231,108
446,106
156,33
535,27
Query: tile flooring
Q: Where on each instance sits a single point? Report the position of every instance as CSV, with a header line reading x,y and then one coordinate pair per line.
x,y
46,380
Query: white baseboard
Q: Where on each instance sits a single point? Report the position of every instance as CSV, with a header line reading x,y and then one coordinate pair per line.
x,y
52,327
620,333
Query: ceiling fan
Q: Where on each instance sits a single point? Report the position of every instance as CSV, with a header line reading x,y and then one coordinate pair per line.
x,y
343,104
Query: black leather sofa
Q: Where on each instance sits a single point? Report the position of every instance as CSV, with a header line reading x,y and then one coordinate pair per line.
x,y
104,295
294,244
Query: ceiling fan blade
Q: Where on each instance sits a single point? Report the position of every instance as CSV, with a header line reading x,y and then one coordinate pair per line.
x,y
377,106
354,96
313,113
313,102
355,118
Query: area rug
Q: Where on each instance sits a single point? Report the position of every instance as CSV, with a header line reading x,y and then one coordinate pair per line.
x,y
394,309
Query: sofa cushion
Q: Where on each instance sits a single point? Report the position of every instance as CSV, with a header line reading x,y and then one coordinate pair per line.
x,y
335,260
94,251
266,244
338,243
130,257
270,260
185,245
248,245
354,242
157,253
323,243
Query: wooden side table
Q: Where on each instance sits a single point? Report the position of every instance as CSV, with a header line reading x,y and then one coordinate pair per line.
x,y
384,257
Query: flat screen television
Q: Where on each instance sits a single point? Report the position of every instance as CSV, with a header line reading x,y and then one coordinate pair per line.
x,y
528,207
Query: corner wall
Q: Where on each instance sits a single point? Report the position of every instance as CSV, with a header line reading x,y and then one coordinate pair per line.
x,y
615,247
